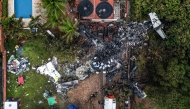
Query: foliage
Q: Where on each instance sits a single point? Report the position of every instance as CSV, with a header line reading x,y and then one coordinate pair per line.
x,y
167,62
11,26
59,48
36,50
14,27
174,13
54,9
35,23
69,27
4,8
53,21
58,18
43,48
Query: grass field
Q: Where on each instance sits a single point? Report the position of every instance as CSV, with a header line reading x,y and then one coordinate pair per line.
x,y
31,92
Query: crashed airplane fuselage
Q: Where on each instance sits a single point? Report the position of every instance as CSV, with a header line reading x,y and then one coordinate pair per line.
x,y
157,24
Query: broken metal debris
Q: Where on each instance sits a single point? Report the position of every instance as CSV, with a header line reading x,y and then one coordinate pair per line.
x,y
17,66
107,56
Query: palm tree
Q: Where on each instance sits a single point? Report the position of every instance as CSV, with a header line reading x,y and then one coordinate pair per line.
x,y
54,9
53,21
11,25
69,27
35,23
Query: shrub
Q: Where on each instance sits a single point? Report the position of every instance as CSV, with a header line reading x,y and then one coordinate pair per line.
x,y
4,7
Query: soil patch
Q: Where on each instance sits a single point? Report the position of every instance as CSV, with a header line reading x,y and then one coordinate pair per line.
x,y
81,94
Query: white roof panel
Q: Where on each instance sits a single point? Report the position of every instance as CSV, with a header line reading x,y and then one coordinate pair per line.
x,y
11,105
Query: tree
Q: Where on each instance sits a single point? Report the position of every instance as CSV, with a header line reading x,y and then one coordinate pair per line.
x,y
54,9
69,27
171,75
11,26
35,24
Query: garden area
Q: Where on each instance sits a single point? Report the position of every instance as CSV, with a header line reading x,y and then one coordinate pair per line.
x,y
38,47
37,50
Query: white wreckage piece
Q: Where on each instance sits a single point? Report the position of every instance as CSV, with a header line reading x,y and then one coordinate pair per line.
x,y
157,24
49,69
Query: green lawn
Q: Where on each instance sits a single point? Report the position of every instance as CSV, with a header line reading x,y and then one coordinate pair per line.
x,y
31,92
36,51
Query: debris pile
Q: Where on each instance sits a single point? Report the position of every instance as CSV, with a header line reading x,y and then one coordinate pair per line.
x,y
84,71
62,88
137,90
136,33
17,66
107,56
62,84
133,85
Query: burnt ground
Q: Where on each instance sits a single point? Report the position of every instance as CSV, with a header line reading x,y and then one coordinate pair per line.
x,y
81,94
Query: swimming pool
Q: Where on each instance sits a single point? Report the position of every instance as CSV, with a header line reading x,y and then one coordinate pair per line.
x,y
23,8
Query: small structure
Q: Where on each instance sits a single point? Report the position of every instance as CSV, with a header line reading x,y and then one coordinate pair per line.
x,y
49,69
12,103
157,24
109,102
98,10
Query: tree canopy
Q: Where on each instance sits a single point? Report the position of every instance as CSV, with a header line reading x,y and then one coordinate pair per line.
x,y
69,27
171,73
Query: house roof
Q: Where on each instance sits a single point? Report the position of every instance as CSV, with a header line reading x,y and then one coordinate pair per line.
x,y
95,9
11,105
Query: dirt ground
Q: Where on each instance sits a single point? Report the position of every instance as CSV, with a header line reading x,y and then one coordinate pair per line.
x,y
81,94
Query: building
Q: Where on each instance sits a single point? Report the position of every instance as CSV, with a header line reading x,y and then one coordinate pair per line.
x,y
98,10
